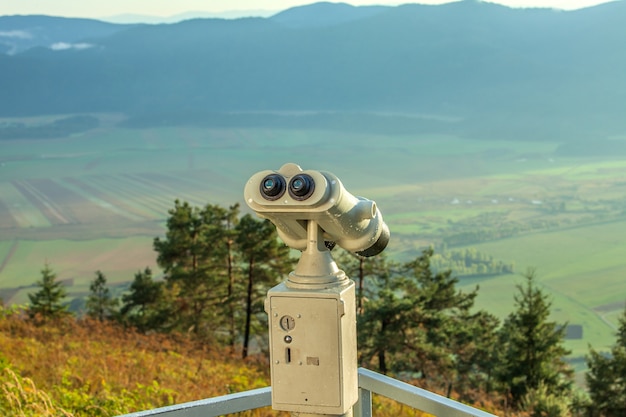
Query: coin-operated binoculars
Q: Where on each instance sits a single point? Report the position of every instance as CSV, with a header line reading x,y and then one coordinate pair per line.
x,y
312,315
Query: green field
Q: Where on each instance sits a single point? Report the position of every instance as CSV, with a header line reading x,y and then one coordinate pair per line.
x,y
95,201
75,261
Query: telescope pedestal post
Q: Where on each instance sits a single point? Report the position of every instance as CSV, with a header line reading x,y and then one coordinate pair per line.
x,y
312,327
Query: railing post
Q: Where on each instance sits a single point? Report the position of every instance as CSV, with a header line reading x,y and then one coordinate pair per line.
x,y
363,407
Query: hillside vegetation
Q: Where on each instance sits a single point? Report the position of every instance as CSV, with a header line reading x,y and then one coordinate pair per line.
x,y
102,197
85,368
140,357
91,368
412,320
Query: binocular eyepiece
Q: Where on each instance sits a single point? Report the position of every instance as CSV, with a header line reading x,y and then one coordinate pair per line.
x,y
290,197
300,187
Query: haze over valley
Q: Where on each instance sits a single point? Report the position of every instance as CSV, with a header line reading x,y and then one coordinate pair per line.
x,y
474,126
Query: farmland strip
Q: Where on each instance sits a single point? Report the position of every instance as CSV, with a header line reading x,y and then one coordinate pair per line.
x,y
151,184
208,181
210,188
9,255
24,213
6,218
140,201
83,209
104,184
195,180
149,189
71,205
53,216
46,190
116,206
156,181
160,201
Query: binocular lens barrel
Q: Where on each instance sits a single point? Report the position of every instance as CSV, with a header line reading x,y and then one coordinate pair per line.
x,y
292,198
301,187
272,187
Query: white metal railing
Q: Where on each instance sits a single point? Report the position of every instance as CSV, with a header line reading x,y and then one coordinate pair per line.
x,y
369,382
418,398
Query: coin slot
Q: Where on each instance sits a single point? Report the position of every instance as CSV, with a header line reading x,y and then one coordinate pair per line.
x,y
288,355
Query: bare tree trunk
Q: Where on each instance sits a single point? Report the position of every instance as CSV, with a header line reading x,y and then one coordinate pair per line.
x,y
246,337
359,306
382,363
231,289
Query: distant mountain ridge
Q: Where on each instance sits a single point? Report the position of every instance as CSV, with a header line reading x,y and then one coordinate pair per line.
x,y
498,71
20,33
232,14
324,14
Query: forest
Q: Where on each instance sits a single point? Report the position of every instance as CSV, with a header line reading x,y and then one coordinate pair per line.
x,y
163,340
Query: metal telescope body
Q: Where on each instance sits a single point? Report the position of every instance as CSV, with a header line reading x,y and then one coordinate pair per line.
x,y
312,315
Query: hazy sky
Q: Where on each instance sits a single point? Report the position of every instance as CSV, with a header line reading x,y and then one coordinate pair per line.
x,y
105,8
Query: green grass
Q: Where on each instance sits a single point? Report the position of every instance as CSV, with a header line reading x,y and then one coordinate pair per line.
x,y
5,249
496,295
118,259
581,269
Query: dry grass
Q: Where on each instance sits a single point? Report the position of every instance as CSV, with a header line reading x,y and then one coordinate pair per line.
x,y
88,368
86,365
21,398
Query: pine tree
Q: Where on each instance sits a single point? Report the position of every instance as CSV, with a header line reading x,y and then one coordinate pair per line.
x,y
48,301
223,234
532,347
360,268
381,317
415,320
439,318
192,255
100,305
606,378
264,261
474,346
142,306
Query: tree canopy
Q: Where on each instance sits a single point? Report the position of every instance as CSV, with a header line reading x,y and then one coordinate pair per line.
x,y
100,304
606,378
47,302
532,352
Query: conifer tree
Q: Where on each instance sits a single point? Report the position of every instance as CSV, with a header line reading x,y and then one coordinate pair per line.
x,y
606,378
382,319
474,346
48,301
100,305
222,233
415,319
142,306
192,256
360,268
532,347
265,260
439,318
